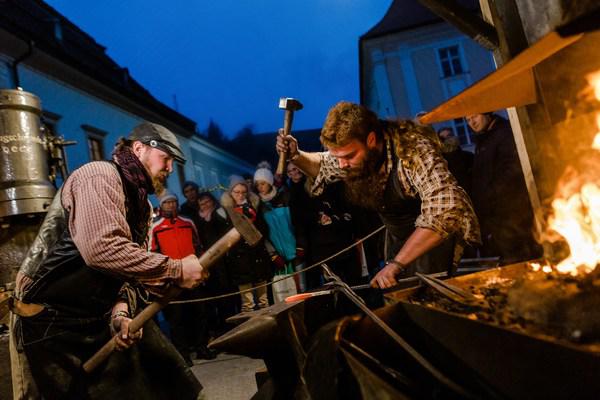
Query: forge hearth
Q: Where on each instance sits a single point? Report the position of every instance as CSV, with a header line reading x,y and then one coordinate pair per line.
x,y
516,355
559,306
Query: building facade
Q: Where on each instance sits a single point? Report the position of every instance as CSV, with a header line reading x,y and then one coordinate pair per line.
x,y
412,60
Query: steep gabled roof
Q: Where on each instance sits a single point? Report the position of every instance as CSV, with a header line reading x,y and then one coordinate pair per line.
x,y
408,14
51,32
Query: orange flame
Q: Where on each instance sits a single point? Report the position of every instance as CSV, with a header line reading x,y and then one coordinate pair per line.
x,y
577,219
594,81
577,215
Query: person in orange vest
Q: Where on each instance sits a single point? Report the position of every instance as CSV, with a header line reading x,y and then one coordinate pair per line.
x,y
176,236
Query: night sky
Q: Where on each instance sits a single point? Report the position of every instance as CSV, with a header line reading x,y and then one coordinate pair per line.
x,y
231,60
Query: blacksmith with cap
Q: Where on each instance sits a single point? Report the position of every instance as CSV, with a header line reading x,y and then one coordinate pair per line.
x,y
89,272
395,169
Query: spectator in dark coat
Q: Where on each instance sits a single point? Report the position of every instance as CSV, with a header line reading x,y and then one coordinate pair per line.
x,y
499,193
248,266
323,225
212,225
327,227
298,198
189,208
460,162
213,220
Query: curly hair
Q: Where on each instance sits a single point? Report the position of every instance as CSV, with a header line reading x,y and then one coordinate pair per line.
x,y
348,121
407,133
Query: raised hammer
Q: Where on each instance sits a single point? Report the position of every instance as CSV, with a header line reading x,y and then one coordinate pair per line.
x,y
289,105
243,228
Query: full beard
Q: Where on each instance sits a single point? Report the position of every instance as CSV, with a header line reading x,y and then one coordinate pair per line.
x,y
159,183
159,180
363,184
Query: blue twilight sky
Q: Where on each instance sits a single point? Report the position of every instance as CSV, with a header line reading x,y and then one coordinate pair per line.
x,y
231,60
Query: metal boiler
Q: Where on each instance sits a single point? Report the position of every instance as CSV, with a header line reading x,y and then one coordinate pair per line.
x,y
25,193
24,184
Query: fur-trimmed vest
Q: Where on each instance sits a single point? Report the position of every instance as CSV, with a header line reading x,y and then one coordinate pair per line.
x,y
61,278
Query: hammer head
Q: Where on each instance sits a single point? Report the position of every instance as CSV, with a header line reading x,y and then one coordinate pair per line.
x,y
244,226
287,103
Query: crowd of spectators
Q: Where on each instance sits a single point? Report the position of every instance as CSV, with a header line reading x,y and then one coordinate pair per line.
x,y
297,230
300,229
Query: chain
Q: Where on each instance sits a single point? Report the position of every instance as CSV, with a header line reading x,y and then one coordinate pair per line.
x,y
315,265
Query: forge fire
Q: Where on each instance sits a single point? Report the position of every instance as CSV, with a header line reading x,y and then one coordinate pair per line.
x,y
559,296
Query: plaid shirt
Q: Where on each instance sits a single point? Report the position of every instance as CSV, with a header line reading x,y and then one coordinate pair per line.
x,y
94,197
423,173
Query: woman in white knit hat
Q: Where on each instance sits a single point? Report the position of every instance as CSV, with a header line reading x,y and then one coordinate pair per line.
x,y
277,215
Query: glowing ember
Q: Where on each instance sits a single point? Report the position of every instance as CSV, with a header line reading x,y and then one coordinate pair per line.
x,y
547,269
596,144
594,81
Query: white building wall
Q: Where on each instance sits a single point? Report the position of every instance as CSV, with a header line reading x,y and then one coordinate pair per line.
x,y
76,108
414,77
420,80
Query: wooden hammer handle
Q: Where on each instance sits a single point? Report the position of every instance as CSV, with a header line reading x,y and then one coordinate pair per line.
x,y
135,325
287,127
207,259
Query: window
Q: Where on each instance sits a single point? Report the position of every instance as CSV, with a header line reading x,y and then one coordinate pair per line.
x,y
461,129
180,174
450,61
96,150
95,139
199,173
214,178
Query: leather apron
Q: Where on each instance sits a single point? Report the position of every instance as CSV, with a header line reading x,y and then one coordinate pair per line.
x,y
399,213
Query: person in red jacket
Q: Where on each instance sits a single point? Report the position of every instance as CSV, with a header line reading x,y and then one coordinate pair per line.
x,y
173,235
176,236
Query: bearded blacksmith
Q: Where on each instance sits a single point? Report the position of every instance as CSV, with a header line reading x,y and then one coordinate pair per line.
x,y
394,168
89,272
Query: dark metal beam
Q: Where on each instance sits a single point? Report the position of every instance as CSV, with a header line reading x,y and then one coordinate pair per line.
x,y
508,25
465,21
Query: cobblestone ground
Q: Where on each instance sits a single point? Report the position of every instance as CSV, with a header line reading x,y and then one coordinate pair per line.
x,y
228,377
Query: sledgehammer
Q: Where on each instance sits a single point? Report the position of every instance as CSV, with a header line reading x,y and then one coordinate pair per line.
x,y
242,228
289,105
